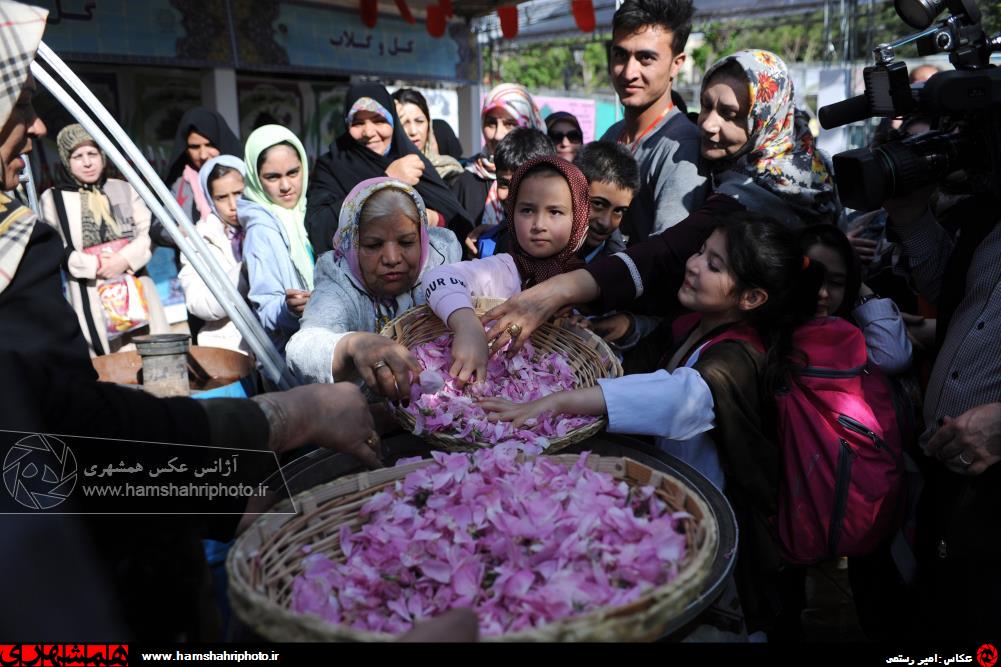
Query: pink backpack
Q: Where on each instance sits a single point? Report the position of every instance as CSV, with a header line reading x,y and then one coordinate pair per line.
x,y
842,454
842,478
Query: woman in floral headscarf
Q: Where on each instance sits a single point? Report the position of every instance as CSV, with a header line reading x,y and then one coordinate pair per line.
x,y
758,144
382,249
508,106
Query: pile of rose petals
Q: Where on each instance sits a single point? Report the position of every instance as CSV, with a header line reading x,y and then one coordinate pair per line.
x,y
522,542
439,405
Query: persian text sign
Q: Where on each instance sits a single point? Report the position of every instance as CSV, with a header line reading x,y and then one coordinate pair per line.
x,y
332,39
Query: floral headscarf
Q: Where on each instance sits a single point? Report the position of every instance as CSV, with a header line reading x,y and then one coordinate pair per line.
x,y
517,101
346,238
780,155
532,270
368,104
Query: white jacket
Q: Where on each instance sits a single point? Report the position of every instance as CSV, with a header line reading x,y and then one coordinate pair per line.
x,y
218,331
129,209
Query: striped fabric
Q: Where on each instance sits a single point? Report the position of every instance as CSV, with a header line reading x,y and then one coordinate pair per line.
x,y
21,28
16,223
967,370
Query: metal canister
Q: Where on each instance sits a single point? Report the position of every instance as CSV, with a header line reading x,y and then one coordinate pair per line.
x,y
164,363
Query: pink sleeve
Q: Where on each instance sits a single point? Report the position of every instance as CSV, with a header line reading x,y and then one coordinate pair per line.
x,y
452,286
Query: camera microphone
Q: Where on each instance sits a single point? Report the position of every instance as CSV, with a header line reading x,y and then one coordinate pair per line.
x,y
845,112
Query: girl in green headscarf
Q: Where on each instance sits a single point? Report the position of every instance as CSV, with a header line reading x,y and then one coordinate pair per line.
x,y
276,249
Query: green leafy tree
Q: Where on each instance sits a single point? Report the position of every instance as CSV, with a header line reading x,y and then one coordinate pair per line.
x,y
575,64
796,37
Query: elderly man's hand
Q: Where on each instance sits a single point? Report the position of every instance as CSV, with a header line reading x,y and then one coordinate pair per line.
x,y
335,416
970,443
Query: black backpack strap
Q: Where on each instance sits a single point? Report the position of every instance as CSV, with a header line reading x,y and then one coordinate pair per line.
x,y
64,223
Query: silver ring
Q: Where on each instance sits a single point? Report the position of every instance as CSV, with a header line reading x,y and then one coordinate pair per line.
x,y
514,330
963,460
377,365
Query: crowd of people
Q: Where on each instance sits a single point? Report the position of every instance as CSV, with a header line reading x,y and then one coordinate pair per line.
x,y
709,249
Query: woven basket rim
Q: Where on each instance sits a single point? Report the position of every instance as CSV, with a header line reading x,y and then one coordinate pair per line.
x,y
265,614
592,348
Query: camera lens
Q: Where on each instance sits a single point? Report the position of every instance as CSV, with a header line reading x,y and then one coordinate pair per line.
x,y
919,14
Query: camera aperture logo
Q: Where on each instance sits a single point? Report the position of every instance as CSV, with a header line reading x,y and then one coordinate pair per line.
x,y
987,655
40,472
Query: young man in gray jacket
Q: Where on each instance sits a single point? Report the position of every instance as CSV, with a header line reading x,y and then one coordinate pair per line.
x,y
648,44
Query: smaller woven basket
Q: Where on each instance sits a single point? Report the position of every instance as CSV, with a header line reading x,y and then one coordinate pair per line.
x,y
587,354
266,559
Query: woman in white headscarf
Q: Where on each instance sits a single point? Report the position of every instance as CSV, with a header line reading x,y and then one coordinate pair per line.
x,y
221,179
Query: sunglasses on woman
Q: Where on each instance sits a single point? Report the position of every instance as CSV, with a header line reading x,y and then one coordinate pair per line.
x,y
575,136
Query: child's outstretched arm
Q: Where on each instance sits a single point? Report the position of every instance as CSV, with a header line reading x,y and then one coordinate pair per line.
x,y
682,409
589,401
452,286
449,291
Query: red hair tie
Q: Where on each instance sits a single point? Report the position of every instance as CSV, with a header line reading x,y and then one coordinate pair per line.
x,y
806,262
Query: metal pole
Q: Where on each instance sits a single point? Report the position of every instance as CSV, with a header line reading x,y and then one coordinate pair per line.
x,y
189,241
27,179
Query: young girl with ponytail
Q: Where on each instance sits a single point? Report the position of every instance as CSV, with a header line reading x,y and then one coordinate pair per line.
x,y
748,286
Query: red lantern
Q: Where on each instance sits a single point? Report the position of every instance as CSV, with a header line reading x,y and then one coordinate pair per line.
x,y
446,7
369,12
509,21
436,21
405,12
583,14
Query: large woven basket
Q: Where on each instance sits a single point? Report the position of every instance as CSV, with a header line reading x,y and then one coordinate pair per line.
x,y
587,354
268,556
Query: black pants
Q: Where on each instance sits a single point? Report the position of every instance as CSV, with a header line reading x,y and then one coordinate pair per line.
x,y
959,555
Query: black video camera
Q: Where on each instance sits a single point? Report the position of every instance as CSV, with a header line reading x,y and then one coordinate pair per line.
x,y
965,103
